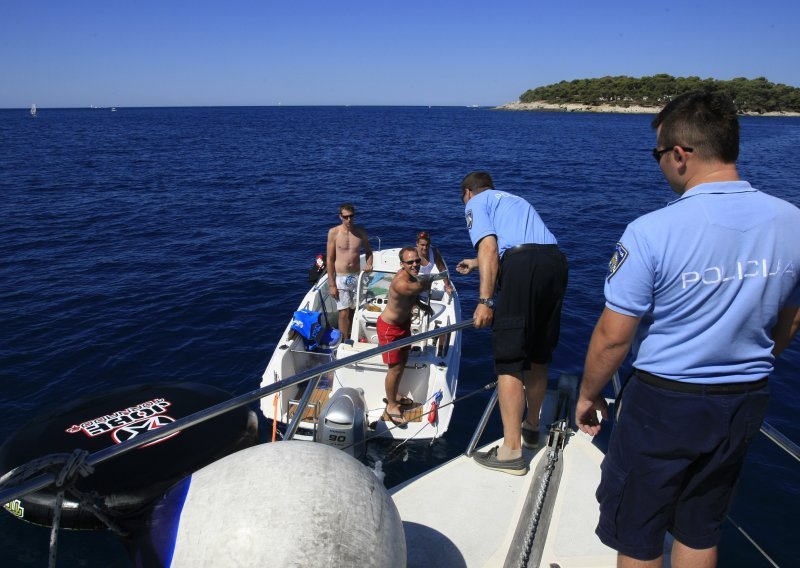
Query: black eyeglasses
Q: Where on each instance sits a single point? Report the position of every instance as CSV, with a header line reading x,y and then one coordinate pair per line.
x,y
658,153
348,216
410,262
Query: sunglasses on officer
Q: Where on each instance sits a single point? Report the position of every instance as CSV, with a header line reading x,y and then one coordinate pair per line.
x,y
658,153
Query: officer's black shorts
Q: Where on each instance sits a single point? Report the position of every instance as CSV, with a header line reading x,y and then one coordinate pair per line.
x,y
527,320
672,464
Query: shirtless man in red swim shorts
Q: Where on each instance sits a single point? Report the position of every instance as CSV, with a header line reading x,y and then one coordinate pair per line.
x,y
395,323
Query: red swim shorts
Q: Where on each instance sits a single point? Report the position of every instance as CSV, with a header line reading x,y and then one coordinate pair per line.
x,y
387,333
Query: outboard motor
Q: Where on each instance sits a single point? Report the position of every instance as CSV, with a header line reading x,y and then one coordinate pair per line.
x,y
343,421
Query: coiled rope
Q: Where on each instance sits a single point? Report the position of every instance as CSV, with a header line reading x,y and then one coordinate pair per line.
x,y
67,468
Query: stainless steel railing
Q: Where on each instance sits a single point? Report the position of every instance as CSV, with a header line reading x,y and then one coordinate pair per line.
x,y
45,479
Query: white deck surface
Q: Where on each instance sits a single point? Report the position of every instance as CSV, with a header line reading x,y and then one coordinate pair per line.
x,y
461,514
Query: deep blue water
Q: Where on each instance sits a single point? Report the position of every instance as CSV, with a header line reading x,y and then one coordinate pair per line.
x,y
172,245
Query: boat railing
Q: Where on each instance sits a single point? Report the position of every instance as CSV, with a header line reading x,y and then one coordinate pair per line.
x,y
780,440
303,403
43,480
476,435
767,429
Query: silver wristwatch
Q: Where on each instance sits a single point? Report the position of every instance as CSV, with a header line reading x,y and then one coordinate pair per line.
x,y
488,302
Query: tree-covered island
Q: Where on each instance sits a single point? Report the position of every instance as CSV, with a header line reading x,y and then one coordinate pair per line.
x,y
649,94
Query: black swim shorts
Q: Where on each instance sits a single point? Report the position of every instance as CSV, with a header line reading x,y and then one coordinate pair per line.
x,y
527,321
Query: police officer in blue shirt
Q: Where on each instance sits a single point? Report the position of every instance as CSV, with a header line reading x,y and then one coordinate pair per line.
x,y
704,293
519,257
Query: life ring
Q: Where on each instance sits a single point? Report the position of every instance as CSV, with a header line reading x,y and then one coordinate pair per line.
x,y
130,482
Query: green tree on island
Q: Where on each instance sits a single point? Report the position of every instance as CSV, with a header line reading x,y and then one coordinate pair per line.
x,y
750,95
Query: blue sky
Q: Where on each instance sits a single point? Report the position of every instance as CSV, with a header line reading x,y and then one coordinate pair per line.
x,y
77,53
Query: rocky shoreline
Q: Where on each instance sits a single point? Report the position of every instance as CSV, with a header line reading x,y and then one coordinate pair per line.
x,y
577,107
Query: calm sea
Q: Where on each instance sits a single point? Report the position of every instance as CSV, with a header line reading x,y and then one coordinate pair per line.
x,y
172,244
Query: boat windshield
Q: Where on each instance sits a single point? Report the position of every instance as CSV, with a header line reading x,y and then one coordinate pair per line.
x,y
374,288
324,302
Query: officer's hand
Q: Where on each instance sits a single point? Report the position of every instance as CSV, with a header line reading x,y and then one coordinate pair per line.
x,y
467,265
586,414
483,316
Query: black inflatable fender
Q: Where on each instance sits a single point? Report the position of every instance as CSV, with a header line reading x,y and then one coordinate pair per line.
x,y
130,482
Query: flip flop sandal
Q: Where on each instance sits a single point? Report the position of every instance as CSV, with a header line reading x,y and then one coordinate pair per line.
x,y
397,419
403,401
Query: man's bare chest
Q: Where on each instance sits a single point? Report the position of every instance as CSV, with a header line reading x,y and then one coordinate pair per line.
x,y
347,242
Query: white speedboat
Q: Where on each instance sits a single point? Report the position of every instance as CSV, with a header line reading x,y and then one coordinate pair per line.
x,y
428,383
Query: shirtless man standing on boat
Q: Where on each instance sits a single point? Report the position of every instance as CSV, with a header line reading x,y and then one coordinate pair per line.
x,y
345,242
395,323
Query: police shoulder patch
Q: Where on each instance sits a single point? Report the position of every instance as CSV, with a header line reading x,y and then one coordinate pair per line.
x,y
469,219
619,256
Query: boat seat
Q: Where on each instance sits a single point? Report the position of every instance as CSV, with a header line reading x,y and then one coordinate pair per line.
x,y
368,319
374,308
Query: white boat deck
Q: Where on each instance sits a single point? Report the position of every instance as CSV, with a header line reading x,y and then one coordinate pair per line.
x,y
462,514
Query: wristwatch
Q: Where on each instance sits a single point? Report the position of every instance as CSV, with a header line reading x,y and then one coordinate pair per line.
x,y
488,302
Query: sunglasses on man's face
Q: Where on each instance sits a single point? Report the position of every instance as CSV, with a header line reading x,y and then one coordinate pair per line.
x,y
658,153
345,217
416,261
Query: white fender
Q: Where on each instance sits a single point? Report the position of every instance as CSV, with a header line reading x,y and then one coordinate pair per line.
x,y
288,504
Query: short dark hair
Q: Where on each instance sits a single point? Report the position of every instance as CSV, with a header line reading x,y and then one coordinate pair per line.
x,y
347,207
477,182
705,121
406,249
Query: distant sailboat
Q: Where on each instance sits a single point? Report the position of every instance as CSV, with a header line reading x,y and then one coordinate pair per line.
x,y
33,110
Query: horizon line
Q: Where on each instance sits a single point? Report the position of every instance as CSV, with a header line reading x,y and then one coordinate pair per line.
x,y
93,107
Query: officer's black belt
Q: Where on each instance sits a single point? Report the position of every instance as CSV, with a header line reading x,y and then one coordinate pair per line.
x,y
699,388
528,246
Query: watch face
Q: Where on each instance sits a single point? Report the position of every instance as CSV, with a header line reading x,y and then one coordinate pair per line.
x,y
488,302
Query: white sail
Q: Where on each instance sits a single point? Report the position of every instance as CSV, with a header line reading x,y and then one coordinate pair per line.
x,y
33,110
